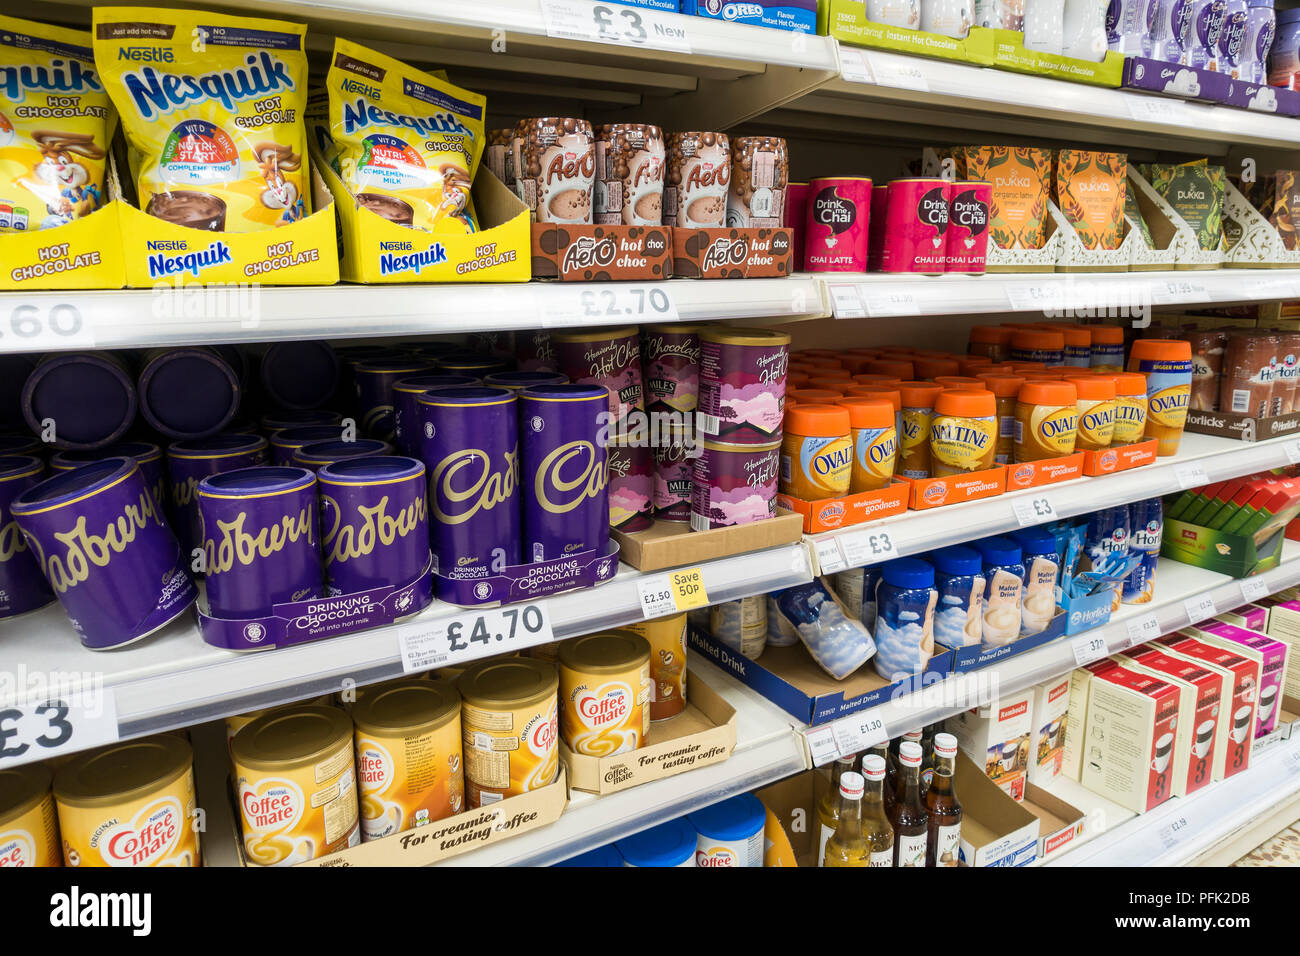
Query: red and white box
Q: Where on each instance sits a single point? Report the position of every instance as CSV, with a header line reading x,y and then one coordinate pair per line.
x,y
1268,652
1239,691
1200,710
997,738
1128,747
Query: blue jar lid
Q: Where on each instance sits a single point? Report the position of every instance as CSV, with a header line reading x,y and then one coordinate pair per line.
x,y
957,560
606,855
735,818
1035,541
999,551
908,573
669,844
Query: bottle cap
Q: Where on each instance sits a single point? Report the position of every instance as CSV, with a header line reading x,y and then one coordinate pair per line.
x,y
945,745
873,766
957,560
999,552
907,573
910,754
914,735
851,785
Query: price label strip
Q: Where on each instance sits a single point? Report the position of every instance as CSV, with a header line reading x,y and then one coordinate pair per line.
x,y
853,66
1174,832
1253,589
59,725
1191,475
868,547
1292,449
37,327
656,597
1088,648
469,636
1178,291
613,302
829,558
822,745
1199,608
1153,109
1034,298
855,734
1143,629
898,74
1036,509
846,303
885,304
616,24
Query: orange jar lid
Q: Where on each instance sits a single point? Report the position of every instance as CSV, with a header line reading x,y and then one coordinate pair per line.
x,y
969,365
966,403
1003,386
931,367
795,379
880,394
899,367
868,412
813,395
990,334
1077,335
1094,388
825,353
1037,339
1106,334
951,380
825,371
1047,393
821,362
1129,383
1160,350
817,421
830,384
871,378
1028,366
918,394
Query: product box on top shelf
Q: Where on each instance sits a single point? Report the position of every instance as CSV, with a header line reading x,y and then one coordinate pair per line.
x,y
1263,98
1060,823
827,514
929,493
1236,555
1175,79
1129,738
747,252
702,734
847,21
1005,49
1107,461
1254,242
799,16
1248,428
995,829
672,544
587,253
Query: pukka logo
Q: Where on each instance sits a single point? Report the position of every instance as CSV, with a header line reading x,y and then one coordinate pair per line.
x,y
725,252
589,252
150,836
605,706
716,856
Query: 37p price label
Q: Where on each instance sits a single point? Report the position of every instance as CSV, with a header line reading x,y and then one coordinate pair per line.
x,y
59,725
467,637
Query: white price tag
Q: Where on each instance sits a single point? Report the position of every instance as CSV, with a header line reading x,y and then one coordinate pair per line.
x,y
59,725
846,303
1253,589
829,558
853,66
1178,291
35,328
614,23
868,547
1035,509
885,303
610,301
1026,297
1088,648
1292,449
855,734
898,72
1143,629
1154,109
1174,832
656,597
822,745
1191,475
474,634
1199,608
1293,761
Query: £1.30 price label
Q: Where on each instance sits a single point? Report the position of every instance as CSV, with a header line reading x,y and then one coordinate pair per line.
x,y
59,725
467,637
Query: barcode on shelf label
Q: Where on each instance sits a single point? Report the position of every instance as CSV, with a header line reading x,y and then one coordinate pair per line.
x,y
822,745
1253,589
846,303
1036,509
883,304
1191,475
615,23
656,597
1199,608
1174,832
1088,648
1292,449
1143,629
709,424
474,634
61,724
867,547
898,73
829,558
855,734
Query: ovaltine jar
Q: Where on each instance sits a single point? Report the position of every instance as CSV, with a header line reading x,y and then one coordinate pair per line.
x,y
23,586
408,755
605,693
295,784
374,522
259,540
508,728
189,462
106,551
129,804
742,385
29,829
469,444
566,507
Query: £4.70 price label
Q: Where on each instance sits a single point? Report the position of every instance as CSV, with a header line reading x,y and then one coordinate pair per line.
x,y
467,637
56,726
613,23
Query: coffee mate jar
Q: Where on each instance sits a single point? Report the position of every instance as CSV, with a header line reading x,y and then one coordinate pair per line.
x,y
296,785
129,804
730,832
29,830
509,721
605,693
1167,365
667,638
408,756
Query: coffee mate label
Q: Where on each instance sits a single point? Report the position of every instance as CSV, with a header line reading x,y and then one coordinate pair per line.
x,y
508,752
300,814
911,849
602,718
407,781
947,845
32,839
153,831
710,852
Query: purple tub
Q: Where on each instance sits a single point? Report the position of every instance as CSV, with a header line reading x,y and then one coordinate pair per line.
x,y
23,586
734,484
742,385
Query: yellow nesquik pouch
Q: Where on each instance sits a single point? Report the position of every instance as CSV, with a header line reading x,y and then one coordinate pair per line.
x,y
407,143
213,109
55,124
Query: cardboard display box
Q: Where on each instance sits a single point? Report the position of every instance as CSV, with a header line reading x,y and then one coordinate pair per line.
x,y
792,806
995,829
846,20
1060,824
1005,49
725,253
671,544
977,656
1129,738
1049,471
1231,554
1242,427
595,253
826,514
702,734
930,493
1120,458
1051,703
997,739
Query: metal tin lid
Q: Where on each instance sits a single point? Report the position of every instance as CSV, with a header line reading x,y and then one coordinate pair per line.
x,y
734,447
188,392
466,396
22,788
608,652
91,396
418,384
371,470
122,772
727,336
594,335
674,328
414,706
508,682
395,366
302,435
572,392
69,487
287,739
518,380
260,481
300,374
225,445
20,466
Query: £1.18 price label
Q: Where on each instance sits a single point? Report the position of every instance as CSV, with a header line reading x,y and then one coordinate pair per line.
x,y
467,637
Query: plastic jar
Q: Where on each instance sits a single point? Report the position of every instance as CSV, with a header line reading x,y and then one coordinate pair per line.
x,y
1284,58
1078,346
874,436
973,365
1106,543
1261,27
1037,345
669,844
1004,577
741,625
1167,365
1047,421
883,393
904,633
812,396
918,410
990,341
856,587
29,831
1042,566
730,832
963,432
959,579
1130,408
1096,408
1230,49
816,452
900,368
1107,348
1005,389
933,367
605,693
667,638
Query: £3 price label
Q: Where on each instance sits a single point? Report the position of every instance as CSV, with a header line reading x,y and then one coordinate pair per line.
x,y
55,726
613,23
1036,509
467,637
867,547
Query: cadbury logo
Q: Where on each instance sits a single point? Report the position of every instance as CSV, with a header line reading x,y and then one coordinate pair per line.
x,y
84,549
486,488
239,546
346,541
559,493
11,541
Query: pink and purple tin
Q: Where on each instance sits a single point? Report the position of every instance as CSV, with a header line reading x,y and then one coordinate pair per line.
x,y
734,484
608,357
631,486
742,385
674,467
670,358
837,226
968,226
916,224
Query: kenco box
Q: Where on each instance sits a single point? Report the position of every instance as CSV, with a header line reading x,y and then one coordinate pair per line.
x,y
1268,653
671,544
1050,709
1128,747
594,253
1238,691
1076,716
826,514
995,830
1060,824
1120,458
996,737
936,492
703,734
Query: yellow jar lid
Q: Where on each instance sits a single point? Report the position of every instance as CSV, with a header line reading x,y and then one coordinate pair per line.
x,y
291,738
508,682
22,788
605,653
123,771
414,706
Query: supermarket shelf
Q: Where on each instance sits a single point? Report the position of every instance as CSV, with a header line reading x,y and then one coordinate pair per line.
x,y
1176,586
173,679
1200,459
1062,294
766,750
171,316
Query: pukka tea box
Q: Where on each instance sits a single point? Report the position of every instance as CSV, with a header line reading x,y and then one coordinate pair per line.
x,y
1090,188
1076,715
1020,176
996,737
1239,678
1128,747
1268,653
1196,190
1200,709
1051,706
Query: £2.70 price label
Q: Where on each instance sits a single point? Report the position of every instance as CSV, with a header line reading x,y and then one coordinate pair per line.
x,y
57,726
467,637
